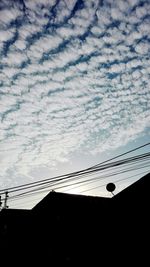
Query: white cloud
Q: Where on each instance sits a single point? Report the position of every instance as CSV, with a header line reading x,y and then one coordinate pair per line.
x,y
133,2
8,15
89,96
94,42
35,13
96,30
144,28
33,4
117,68
70,4
123,5
14,59
82,66
6,35
9,72
43,45
136,74
65,32
20,44
134,63
142,48
142,10
122,48
133,19
116,14
132,37
27,30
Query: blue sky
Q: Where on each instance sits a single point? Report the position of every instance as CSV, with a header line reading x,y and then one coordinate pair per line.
x,y
74,84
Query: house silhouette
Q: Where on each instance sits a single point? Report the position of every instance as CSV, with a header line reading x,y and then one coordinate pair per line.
x,y
74,229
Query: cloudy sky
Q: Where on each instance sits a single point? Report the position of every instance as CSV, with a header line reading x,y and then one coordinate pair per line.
x,y
74,84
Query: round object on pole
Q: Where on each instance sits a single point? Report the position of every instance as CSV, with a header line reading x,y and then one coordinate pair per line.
x,y
110,187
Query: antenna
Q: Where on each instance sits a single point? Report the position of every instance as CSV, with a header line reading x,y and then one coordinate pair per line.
x,y
111,187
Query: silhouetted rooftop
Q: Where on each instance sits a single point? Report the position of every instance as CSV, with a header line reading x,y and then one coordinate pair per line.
x,y
66,228
137,192
58,198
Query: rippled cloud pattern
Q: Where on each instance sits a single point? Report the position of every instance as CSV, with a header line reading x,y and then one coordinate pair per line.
x,y
74,77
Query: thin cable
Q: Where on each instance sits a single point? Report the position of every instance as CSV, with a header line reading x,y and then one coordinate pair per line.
x,y
58,182
74,173
117,181
92,180
81,173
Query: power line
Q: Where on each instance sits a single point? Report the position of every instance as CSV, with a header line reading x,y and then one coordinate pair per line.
x,y
61,181
56,182
88,180
83,177
42,189
91,169
116,181
123,154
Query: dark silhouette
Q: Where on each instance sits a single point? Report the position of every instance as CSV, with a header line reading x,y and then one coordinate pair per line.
x,y
111,187
68,229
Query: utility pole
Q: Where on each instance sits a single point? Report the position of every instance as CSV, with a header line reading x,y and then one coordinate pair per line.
x,y
0,203
5,200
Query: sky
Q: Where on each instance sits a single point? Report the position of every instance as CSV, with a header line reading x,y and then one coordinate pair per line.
x,y
74,84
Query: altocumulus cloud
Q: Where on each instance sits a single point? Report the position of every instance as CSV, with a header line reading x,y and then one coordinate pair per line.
x,y
74,77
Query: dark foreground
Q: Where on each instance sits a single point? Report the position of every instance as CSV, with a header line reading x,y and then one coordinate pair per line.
x,y
66,229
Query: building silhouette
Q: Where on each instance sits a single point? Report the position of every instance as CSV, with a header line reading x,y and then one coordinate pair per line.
x,y
74,229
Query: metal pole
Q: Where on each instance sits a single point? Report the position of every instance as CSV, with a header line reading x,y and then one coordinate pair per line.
x,y
0,203
5,200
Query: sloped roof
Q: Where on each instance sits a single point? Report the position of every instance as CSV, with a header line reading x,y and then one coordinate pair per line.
x,y
68,199
133,197
137,191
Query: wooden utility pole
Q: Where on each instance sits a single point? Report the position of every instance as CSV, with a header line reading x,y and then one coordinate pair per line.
x,y
5,200
0,203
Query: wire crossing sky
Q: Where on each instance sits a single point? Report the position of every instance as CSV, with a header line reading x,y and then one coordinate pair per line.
x,y
74,83
91,178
